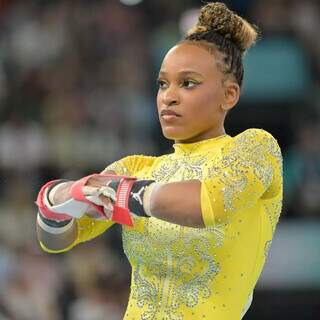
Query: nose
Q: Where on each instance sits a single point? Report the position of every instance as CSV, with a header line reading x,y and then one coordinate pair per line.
x,y
170,96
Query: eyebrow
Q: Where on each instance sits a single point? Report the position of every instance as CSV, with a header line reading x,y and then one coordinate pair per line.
x,y
184,72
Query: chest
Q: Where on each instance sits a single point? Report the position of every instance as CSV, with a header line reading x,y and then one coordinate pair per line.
x,y
158,243
173,168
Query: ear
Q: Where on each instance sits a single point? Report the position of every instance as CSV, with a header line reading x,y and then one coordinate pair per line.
x,y
231,94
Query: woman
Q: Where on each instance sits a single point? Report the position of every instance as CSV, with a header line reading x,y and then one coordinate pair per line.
x,y
197,223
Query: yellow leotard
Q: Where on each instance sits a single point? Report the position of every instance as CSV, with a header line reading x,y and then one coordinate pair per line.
x,y
190,273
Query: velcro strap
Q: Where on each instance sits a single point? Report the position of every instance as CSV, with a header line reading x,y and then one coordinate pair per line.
x,y
121,213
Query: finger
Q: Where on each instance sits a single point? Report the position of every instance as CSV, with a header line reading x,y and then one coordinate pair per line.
x,y
93,182
97,181
106,201
90,191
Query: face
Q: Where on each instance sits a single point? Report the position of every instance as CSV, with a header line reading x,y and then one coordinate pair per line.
x,y
190,95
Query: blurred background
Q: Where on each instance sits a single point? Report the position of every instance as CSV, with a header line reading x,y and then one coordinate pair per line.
x,y
77,91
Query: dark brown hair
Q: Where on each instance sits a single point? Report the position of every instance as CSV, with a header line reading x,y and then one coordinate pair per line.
x,y
222,29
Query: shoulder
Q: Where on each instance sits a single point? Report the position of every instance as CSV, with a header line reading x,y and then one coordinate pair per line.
x,y
129,165
254,143
138,158
254,137
255,134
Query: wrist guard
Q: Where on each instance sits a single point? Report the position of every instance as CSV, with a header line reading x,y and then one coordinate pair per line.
x,y
52,226
56,214
125,194
44,205
136,196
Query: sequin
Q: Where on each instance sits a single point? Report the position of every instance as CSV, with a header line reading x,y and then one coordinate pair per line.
x,y
166,257
181,272
267,248
240,158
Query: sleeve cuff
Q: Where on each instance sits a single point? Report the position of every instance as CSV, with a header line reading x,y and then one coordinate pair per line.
x,y
44,248
206,207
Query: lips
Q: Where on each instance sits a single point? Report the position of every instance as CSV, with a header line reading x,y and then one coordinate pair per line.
x,y
167,112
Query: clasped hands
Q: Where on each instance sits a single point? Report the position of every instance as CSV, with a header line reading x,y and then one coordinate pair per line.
x,y
101,196
97,191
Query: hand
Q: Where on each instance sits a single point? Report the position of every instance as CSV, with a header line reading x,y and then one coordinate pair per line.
x,y
62,193
97,181
96,190
108,193
114,197
59,205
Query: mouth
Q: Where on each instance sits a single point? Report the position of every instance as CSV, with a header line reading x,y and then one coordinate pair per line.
x,y
168,114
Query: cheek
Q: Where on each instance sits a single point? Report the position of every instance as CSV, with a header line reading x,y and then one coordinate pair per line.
x,y
204,102
212,94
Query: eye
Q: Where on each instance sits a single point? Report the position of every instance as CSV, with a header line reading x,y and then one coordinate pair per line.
x,y
188,84
162,84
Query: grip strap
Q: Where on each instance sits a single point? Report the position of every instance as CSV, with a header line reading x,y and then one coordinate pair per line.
x,y
121,212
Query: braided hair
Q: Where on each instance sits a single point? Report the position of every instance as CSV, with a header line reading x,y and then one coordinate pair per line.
x,y
222,29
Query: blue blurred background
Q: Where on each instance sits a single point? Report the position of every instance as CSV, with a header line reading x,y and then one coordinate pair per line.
x,y
77,91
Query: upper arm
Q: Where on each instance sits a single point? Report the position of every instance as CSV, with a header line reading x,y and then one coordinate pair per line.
x,y
249,168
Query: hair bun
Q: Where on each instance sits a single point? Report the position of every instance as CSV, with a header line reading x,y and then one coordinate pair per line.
x,y
217,17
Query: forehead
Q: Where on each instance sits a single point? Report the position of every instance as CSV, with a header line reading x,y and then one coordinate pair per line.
x,y
189,57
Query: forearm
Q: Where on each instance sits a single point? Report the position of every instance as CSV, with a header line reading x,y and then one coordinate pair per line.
x,y
178,202
57,236
60,241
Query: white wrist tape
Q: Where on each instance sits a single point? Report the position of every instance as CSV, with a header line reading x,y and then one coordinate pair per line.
x,y
148,195
71,207
54,230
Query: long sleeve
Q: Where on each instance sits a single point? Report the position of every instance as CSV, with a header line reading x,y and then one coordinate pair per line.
x,y
89,228
248,169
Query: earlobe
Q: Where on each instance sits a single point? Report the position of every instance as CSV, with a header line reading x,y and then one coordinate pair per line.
x,y
224,107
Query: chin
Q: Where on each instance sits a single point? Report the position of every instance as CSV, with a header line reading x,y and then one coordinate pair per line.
x,y
173,134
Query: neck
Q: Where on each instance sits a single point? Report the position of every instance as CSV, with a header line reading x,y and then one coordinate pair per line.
x,y
204,136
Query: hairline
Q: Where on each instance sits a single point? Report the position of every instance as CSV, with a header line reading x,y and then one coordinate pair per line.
x,y
213,50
